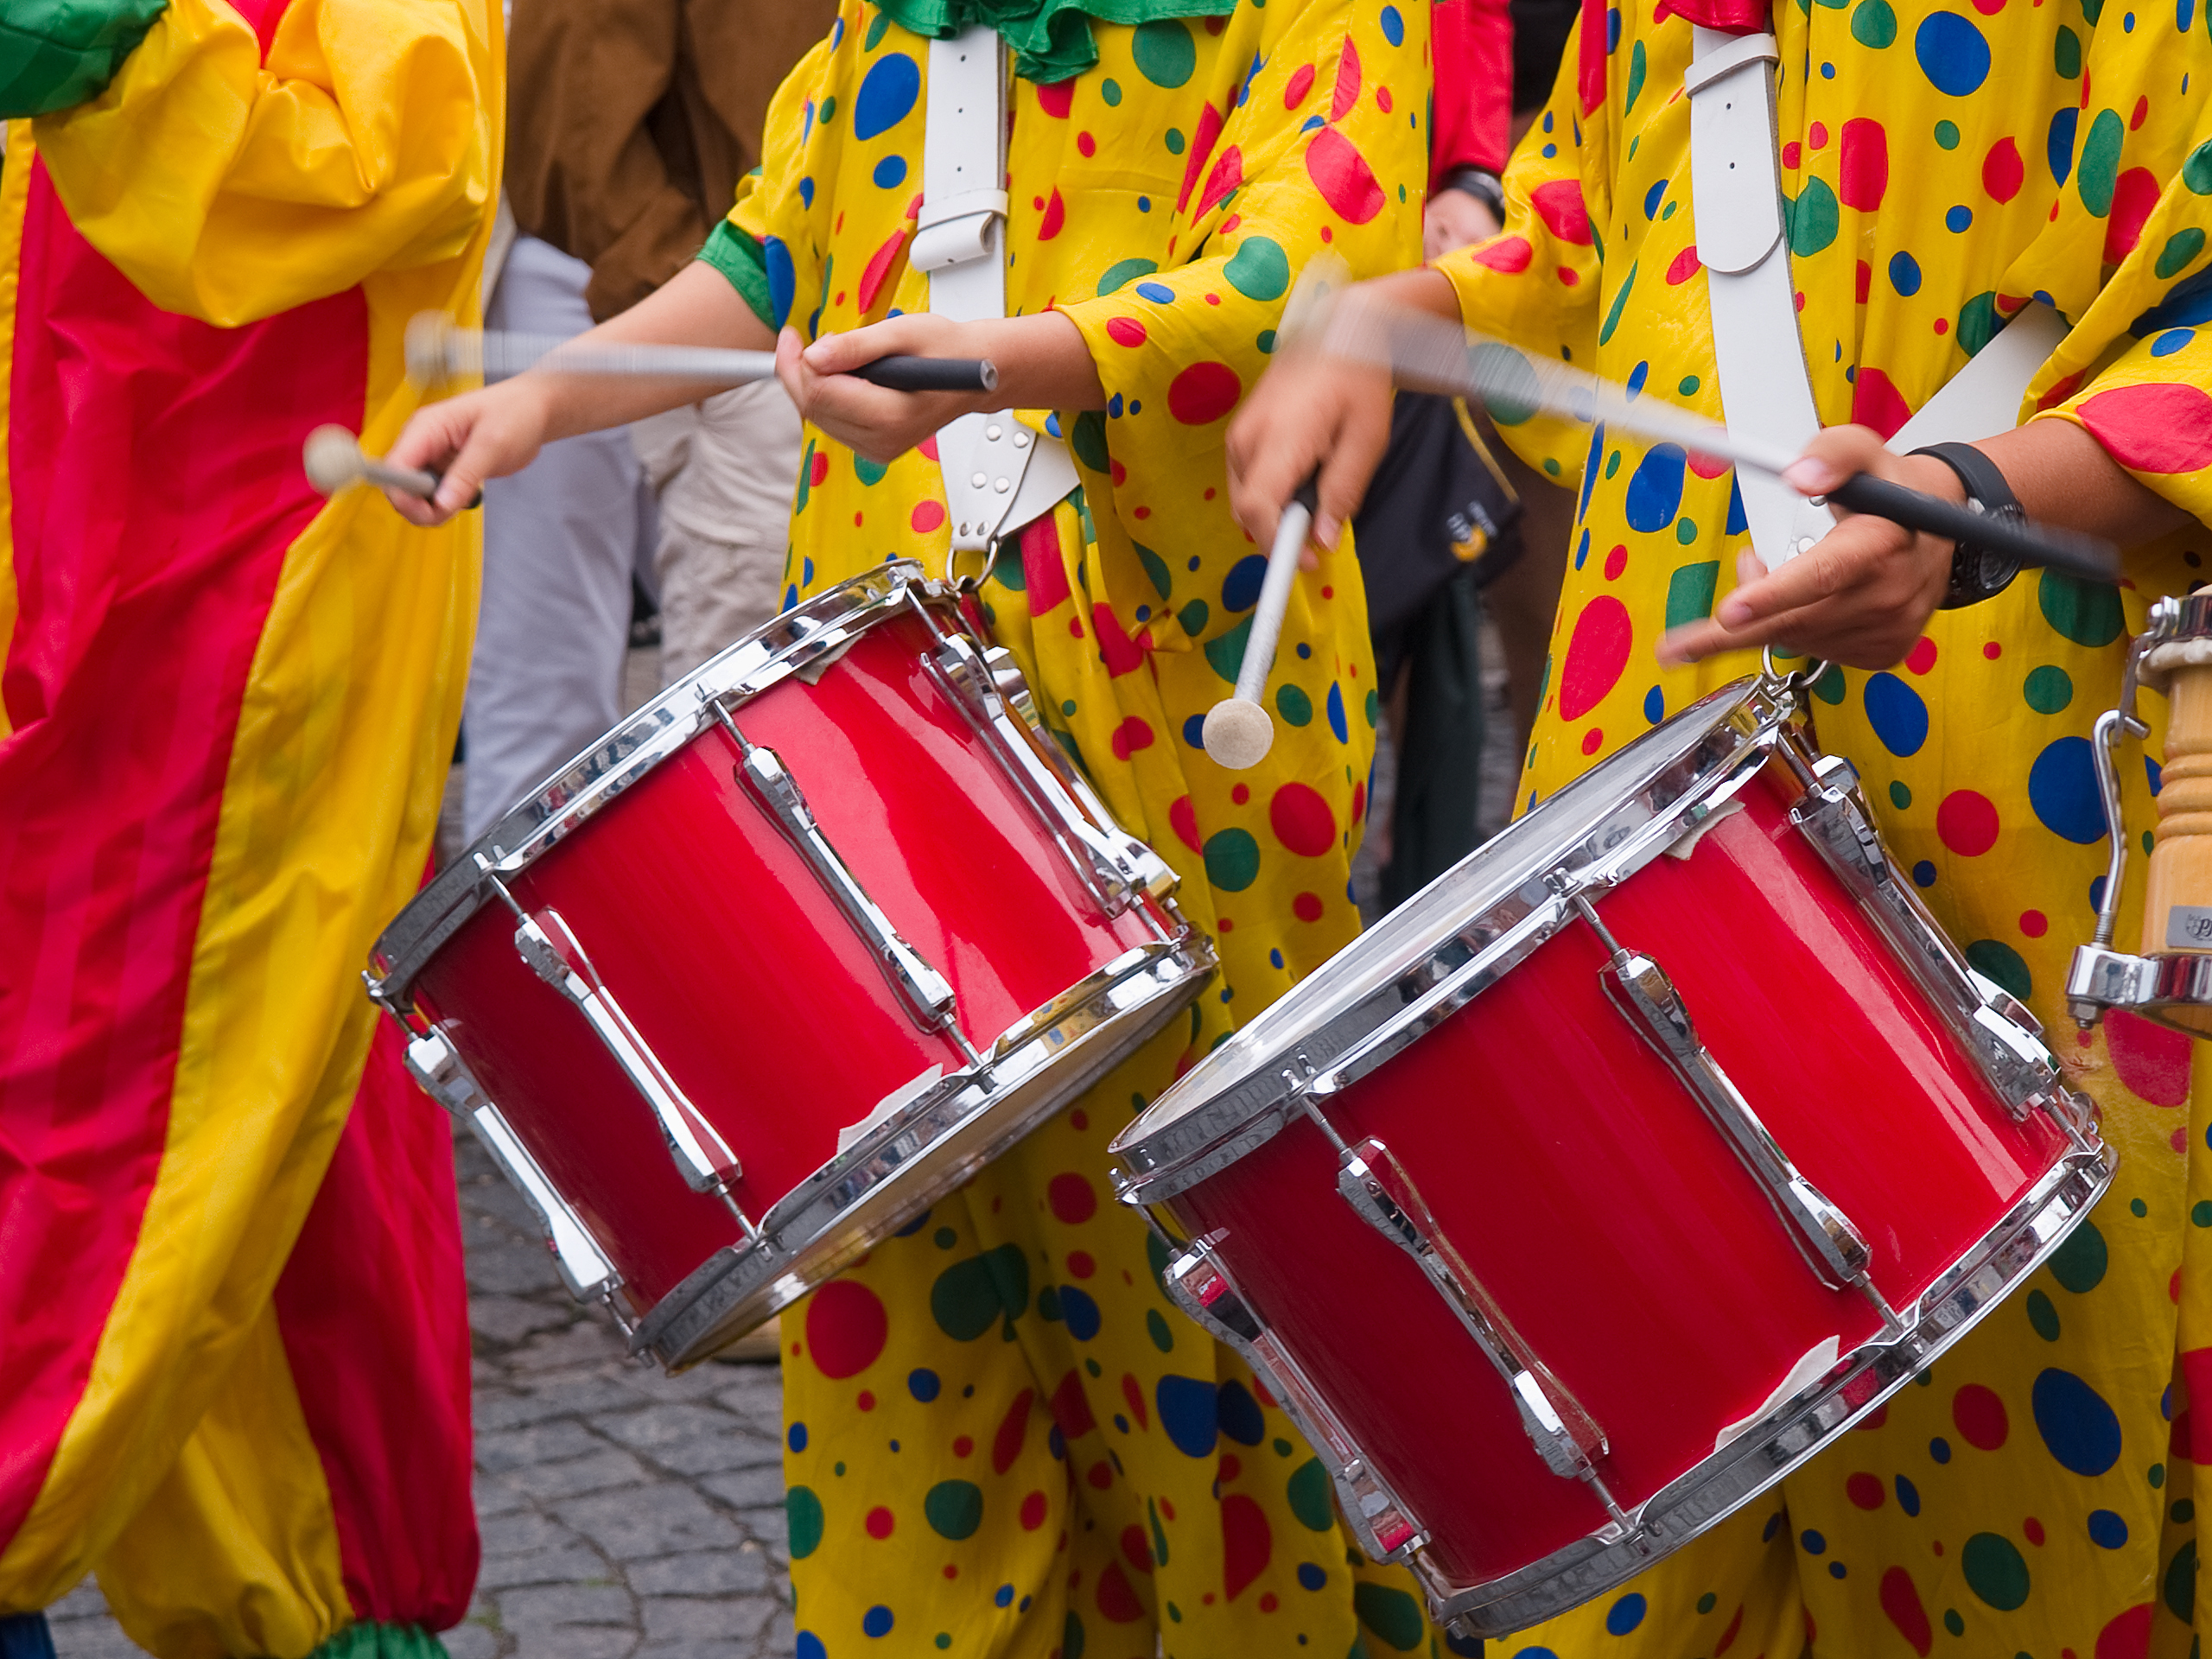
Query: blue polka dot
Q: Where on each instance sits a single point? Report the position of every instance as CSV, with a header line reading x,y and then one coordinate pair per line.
x,y
1637,376
1003,1595
1738,521
2058,143
806,191
886,94
1837,1570
1814,1543
1582,547
1275,958
2171,342
1194,731
1158,293
1897,714
1394,27
1904,274
1239,1415
797,1437
2063,789
1651,198
1953,54
1080,1311
806,572
1654,705
1923,874
877,1620
1828,72
2107,1530
783,281
1957,219
891,172
2081,1431
1940,1449
810,1646
1336,707
1625,1614
1908,1496
1240,588
1311,1577
923,1384
1655,491
1773,1526
1190,1412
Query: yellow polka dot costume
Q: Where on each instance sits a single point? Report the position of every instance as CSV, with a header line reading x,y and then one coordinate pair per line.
x,y
1941,164
1002,1439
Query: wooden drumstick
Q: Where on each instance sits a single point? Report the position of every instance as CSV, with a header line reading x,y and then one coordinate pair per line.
x,y
1238,732
2178,896
334,459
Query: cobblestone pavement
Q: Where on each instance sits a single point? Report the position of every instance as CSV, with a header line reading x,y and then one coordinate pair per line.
x,y
624,1513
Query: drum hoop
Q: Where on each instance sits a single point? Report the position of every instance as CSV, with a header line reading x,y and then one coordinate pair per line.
x,y
1734,731
658,730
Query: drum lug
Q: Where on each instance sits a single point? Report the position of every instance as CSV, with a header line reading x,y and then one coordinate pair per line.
x,y
1640,989
436,1065
1198,1282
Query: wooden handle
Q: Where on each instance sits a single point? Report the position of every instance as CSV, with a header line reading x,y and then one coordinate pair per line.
x,y
2177,898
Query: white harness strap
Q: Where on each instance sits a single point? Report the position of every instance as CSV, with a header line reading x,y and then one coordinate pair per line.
x,y
1765,389
999,474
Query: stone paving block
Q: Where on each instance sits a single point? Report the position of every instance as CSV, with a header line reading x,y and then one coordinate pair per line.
x,y
495,1497
770,1529
743,1571
510,1319
573,1563
521,1532
586,1343
748,1489
577,1642
509,1265
553,1440
664,1519
778,1637
605,1468
471,1641
689,1441
701,1618
526,1610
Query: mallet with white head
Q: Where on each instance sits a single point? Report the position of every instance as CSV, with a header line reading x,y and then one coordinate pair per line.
x,y
334,459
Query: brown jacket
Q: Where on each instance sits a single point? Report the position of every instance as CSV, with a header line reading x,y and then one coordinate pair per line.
x,y
630,122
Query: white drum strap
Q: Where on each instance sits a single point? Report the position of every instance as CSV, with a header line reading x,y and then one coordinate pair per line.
x,y
999,474
1765,389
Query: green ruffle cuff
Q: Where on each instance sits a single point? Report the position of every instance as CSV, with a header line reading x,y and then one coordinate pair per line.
x,y
737,255
1050,39
367,1639
54,53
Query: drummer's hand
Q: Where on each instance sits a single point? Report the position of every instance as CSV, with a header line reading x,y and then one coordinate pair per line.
x,y
1863,593
877,422
1309,411
488,432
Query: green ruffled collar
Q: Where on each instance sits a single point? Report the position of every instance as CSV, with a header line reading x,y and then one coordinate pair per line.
x,y
1050,39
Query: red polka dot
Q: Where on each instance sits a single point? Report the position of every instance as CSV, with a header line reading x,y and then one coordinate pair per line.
x,y
818,469
1136,1549
1341,174
1074,1200
1979,1415
2034,924
1117,1603
1863,165
1876,403
879,267
926,517
1131,735
1125,331
1228,173
2002,170
1685,265
1133,1397
1707,466
1204,392
1056,100
1864,280
845,1328
1922,658
1183,819
1240,794
1864,1490
950,1570
1230,1468
962,1447
2151,1060
1006,1444
2132,199
1510,254
1993,650
867,1400
2127,1636
1101,1476
1966,823
2032,1530
1267,1602
879,1522
1593,741
1080,1265
1872,1421
1032,1511
1792,156
1900,1603
1247,1543
1559,204
1302,821
1078,1119
1307,907
2162,428
1300,84
1616,562
1596,654
1085,145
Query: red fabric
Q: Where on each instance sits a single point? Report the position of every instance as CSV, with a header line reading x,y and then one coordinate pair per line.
x,y
1729,16
374,1313
155,470
1472,119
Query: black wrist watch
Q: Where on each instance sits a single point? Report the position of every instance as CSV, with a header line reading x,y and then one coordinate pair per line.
x,y
1481,184
1978,572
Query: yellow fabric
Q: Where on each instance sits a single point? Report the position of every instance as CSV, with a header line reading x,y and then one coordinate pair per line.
x,y
335,773
1184,174
2018,1500
15,189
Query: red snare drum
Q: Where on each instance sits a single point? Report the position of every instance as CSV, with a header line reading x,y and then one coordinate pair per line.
x,y
1619,1170
785,957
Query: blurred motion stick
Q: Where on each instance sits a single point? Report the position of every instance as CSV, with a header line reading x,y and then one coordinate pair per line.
x,y
1238,732
333,458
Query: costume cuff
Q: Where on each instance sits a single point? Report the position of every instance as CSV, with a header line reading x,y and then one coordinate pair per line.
x,y
54,53
370,1638
738,256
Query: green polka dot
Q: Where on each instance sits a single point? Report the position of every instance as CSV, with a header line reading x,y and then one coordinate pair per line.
x,y
2180,251
969,1295
1164,51
943,1639
945,1238
1829,687
1946,134
1501,366
1156,568
2155,1475
1156,1328
1266,341
1155,1252
1873,24
2000,961
1953,1622
1294,706
803,1519
1708,1602
1392,1614
1995,1571
1686,529
1283,1448
2079,1264
2197,171
1110,90
1067,706
1900,796
1087,437
1071,1638
954,1509
2048,688
1689,593
2066,53
1374,708
2200,1213
1158,1537
1225,655
1193,617
1620,303
1612,464
1688,387
1007,571
870,472
2184,1512
1259,270
875,31
1173,141
1126,270
2137,1208
1551,462
2088,612
1979,322
828,112
1310,1500
1813,217
1232,860
1637,70
2043,1317
2098,170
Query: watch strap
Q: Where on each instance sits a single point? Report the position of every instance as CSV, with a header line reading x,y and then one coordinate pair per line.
x,y
1977,572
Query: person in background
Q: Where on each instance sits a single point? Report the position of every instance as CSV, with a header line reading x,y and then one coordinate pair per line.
x,y
234,1356
634,122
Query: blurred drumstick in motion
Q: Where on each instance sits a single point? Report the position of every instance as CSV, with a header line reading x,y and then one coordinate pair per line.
x,y
1238,732
438,351
1432,353
333,458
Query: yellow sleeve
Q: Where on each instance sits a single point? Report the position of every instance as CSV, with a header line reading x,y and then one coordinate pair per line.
x,y
229,188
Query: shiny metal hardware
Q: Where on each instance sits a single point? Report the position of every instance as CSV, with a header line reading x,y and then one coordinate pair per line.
x,y
550,950
1639,989
436,1065
2003,1039
1199,1282
1375,1184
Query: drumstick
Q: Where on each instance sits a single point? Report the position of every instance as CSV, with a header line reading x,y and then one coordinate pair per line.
x,y
334,459
438,351
1430,353
1237,732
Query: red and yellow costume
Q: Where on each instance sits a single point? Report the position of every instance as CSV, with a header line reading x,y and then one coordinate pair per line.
x,y
233,1329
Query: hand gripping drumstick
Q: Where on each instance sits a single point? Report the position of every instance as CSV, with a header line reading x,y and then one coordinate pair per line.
x,y
1433,354
334,459
437,352
1238,732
